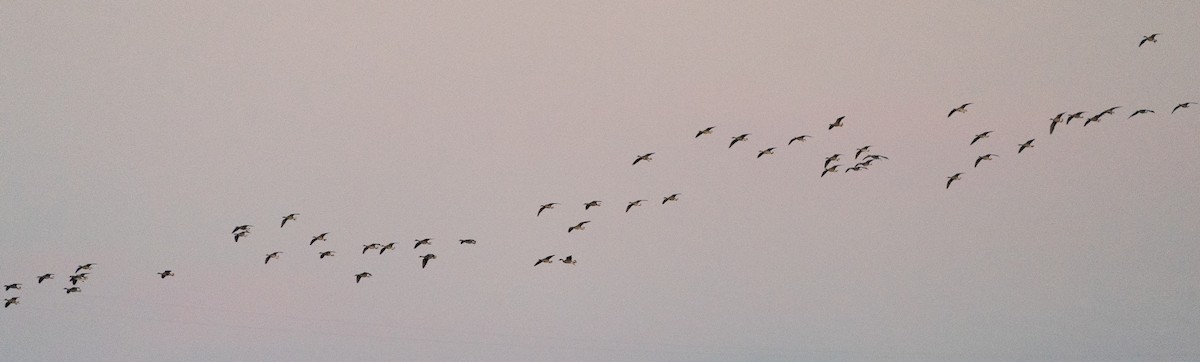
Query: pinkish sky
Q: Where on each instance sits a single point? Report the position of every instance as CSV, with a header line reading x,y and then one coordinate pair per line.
x,y
135,135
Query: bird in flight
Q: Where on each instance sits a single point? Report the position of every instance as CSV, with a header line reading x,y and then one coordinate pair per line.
x,y
960,109
857,167
546,206
16,286
369,247
980,136
836,123
835,157
318,237
1025,145
704,132
1074,116
87,266
957,176
286,218
75,279
1095,118
632,204
425,241
242,228
861,150
11,301
590,204
645,157
1148,38
1108,111
547,260
324,254
270,256
1055,121
737,139
43,277
359,277
673,197
769,151
425,259
798,138
389,246
165,273
830,169
1140,111
578,226
987,157
73,290
240,234
466,241
1182,105
567,260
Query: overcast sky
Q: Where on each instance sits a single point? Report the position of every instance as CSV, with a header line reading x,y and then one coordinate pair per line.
x,y
136,135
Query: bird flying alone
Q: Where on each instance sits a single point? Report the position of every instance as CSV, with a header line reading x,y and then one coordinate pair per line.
x,y
578,226
645,157
987,157
270,256
704,132
547,206
1140,111
798,138
165,273
673,197
425,259
286,218
1182,105
547,260
466,241
1025,145
960,109
836,123
737,139
980,136
769,151
1149,38
359,277
324,254
242,228
957,176
632,204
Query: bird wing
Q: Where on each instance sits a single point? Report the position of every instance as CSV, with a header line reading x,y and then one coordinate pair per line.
x,y
424,261
628,207
1052,124
977,161
949,181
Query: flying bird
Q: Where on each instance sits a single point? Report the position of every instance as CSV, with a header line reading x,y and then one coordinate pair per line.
x,y
425,241
11,301
858,167
1025,145
389,246
1140,111
43,277
270,256
87,266
318,237
286,218
769,151
1074,116
546,206
466,241
73,290
861,150
960,109
1182,105
742,137
75,279
1108,111
632,204
164,274
590,204
874,157
673,197
425,259
359,277
798,138
645,157
240,235
1095,118
836,123
1148,38
567,260
241,227
369,247
956,176
987,157
1055,121
578,226
835,157
704,132
16,286
324,254
830,169
980,136
547,260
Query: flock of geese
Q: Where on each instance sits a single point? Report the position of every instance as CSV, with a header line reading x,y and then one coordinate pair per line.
x,y
863,159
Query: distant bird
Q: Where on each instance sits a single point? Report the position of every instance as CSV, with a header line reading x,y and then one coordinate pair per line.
x,y
1055,121
241,227
425,241
1148,38
546,206
865,163
980,136
769,151
704,132
1074,116
836,123
874,157
578,226
425,259
1095,118
547,260
1025,145
960,109
359,277
270,256
324,254
75,279
240,235
861,150
318,237
73,290
987,157
567,260
87,266
858,167
798,138
16,286
466,241
1108,111
11,301
1182,105
1140,111
830,169
286,218
645,157
43,277
389,246
673,197
589,204
835,157
737,139
165,273
632,204
369,247
956,176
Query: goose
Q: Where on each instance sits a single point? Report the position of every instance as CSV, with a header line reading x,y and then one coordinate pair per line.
x,y
165,274
632,204
75,279
835,157
240,235
43,277
704,132
1148,38
957,176
1108,111
874,157
980,136
11,301
865,164
546,206
858,167
1182,105
1025,145
286,218
466,241
987,157
590,204
87,266
645,157
241,227
318,237
270,256
425,241
960,109
830,169
425,259
1055,121
861,150
578,226
769,151
359,277
1095,118
673,197
798,138
1140,111
742,137
389,246
836,123
16,286
1074,116
568,260
324,254
73,290
369,247
547,260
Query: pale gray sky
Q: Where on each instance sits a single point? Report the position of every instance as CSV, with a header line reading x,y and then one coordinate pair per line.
x,y
135,135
